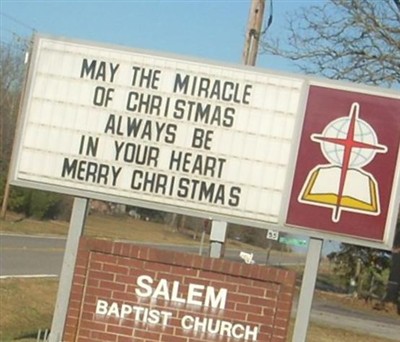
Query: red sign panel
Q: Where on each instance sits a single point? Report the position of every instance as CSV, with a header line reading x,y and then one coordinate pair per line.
x,y
346,163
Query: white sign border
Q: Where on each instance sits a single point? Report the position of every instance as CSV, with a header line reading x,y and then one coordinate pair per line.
x,y
393,211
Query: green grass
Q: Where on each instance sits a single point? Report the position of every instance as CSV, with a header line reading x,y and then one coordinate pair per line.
x,y
101,226
26,306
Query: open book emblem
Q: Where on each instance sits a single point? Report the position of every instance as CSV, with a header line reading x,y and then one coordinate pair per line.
x,y
348,143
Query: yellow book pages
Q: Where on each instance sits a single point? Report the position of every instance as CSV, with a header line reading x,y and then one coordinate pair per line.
x,y
359,193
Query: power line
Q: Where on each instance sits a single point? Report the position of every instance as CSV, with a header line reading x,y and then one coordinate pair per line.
x,y
14,39
397,3
25,40
19,22
270,17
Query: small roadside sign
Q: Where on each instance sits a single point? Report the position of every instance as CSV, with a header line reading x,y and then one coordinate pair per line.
x,y
293,241
272,234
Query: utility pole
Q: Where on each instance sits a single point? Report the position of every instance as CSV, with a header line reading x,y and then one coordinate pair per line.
x,y
315,245
4,204
253,33
2,154
5,200
219,228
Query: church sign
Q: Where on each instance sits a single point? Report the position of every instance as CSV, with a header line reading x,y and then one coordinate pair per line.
x,y
232,143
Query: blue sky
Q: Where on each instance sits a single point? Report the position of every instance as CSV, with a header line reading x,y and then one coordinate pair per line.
x,y
210,29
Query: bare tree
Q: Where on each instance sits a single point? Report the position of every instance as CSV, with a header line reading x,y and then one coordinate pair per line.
x,y
356,40
11,78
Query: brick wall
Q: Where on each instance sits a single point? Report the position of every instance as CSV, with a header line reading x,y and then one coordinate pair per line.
x,y
123,292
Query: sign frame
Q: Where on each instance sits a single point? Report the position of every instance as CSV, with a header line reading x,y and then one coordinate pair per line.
x,y
281,225
104,195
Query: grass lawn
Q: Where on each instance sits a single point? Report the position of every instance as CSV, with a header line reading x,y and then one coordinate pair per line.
x,y
26,305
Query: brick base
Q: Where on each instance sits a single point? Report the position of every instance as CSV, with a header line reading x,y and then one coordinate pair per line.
x,y
257,304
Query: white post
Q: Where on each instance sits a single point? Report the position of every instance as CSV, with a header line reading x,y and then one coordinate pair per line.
x,y
75,231
217,238
307,290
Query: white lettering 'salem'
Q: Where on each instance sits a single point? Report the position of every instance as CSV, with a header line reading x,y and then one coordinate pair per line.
x,y
199,295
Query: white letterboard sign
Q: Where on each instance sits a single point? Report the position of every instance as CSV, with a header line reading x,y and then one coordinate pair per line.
x,y
156,130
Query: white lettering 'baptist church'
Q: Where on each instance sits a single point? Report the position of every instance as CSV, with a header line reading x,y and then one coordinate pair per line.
x,y
197,294
199,325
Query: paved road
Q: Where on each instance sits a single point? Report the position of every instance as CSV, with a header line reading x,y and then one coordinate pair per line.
x,y
334,315
30,255
42,256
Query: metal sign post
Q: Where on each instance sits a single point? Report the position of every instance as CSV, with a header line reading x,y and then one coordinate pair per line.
x,y
217,238
75,231
307,290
